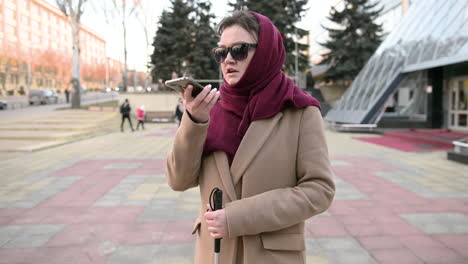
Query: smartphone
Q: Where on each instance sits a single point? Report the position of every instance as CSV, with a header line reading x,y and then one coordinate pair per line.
x,y
180,84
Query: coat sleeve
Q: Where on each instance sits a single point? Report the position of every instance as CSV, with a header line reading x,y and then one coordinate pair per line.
x,y
184,160
280,208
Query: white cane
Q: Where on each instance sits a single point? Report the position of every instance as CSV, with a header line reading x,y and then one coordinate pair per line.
x,y
218,204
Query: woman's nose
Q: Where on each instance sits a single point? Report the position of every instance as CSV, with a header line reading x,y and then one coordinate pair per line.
x,y
229,58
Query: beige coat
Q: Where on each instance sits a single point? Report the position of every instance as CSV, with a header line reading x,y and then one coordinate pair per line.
x,y
280,176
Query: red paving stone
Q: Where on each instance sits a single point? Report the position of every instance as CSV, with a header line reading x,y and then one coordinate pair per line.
x,y
416,242
15,255
375,222
62,255
401,144
381,242
325,226
457,242
438,255
392,256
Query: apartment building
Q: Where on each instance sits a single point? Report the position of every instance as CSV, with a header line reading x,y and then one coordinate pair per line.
x,y
36,49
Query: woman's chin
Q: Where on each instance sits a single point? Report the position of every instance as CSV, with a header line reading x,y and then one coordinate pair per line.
x,y
232,81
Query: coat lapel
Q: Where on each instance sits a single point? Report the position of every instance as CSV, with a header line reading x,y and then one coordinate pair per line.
x,y
252,142
223,168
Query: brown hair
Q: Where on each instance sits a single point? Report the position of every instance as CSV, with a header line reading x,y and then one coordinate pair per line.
x,y
242,18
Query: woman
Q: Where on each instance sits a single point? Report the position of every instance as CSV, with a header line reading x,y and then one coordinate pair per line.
x,y
263,144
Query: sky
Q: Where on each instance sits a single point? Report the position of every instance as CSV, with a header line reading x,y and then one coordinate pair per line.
x,y
136,43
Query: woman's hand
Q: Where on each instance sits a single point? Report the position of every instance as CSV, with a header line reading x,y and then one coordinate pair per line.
x,y
217,222
199,107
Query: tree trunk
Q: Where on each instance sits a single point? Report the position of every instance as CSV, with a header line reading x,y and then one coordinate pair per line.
x,y
125,74
75,80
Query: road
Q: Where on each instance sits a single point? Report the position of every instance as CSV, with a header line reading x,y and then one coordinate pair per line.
x,y
19,107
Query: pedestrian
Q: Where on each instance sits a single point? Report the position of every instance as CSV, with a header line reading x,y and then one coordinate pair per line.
x,y
141,117
179,111
67,95
263,144
125,111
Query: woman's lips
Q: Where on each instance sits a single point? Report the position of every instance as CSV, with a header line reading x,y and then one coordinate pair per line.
x,y
231,72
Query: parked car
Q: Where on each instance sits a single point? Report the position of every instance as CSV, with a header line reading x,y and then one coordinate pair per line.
x,y
45,96
3,104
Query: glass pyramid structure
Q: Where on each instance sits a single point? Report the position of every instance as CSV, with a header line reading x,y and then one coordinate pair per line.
x,y
432,33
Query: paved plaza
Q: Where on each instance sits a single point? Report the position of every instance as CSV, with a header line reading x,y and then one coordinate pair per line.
x,y
105,200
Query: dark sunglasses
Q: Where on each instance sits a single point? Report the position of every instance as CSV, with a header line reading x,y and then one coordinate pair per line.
x,y
238,52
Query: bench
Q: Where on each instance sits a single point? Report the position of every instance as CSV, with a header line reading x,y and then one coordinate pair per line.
x,y
160,116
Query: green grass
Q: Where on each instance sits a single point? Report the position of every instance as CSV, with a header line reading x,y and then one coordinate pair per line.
x,y
105,104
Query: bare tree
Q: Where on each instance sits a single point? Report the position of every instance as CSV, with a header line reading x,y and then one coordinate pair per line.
x,y
73,9
148,21
120,10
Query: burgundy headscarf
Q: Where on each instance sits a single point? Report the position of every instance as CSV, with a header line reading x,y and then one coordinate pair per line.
x,y
262,92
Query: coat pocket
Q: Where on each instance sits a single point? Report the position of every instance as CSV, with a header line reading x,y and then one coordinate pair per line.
x,y
196,226
293,242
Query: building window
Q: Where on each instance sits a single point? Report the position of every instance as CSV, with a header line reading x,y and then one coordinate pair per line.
x,y
14,78
45,15
9,14
25,20
462,96
35,38
24,35
34,24
22,4
462,120
9,30
34,9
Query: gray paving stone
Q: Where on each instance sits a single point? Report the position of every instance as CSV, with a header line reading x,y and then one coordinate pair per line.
x,y
108,203
336,163
346,191
353,257
399,177
46,172
142,254
179,250
338,244
123,165
24,204
8,232
340,250
438,223
33,236
136,202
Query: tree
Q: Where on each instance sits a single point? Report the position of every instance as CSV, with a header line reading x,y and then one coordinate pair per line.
x,y
121,11
73,10
353,41
201,63
284,14
172,42
147,20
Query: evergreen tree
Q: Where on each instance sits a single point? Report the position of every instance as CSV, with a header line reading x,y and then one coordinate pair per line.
x,y
353,41
201,62
284,14
172,42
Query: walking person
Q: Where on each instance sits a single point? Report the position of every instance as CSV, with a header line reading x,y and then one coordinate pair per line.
x,y
141,117
67,95
125,111
263,144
